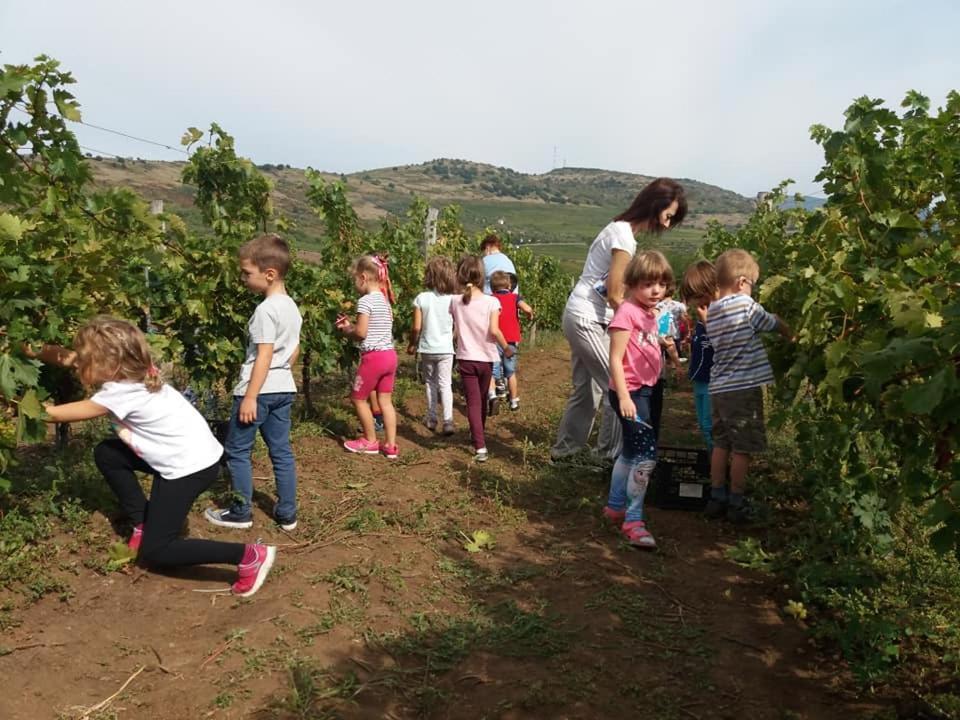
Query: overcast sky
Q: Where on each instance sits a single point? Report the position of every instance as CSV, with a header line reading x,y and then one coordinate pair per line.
x,y
719,91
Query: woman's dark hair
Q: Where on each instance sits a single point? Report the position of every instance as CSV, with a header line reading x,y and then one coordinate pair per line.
x,y
653,200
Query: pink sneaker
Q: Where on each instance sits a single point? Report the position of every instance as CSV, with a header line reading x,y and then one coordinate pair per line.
x,y
614,516
362,445
638,535
134,542
253,569
391,451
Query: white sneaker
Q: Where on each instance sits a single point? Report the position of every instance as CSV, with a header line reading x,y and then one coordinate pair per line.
x,y
515,403
481,455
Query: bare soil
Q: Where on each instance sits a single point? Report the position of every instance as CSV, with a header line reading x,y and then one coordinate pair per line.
x,y
376,609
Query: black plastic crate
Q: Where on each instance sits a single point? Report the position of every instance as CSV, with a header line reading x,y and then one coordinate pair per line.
x,y
681,480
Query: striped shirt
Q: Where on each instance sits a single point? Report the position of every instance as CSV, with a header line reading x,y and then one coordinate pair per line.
x,y
734,324
379,322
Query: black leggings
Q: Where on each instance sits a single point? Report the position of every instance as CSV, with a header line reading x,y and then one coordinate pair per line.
x,y
163,516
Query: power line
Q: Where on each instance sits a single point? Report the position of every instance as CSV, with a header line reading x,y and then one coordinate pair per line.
x,y
114,132
99,152
131,137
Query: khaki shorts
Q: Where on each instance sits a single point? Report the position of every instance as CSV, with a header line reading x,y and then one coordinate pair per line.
x,y
738,421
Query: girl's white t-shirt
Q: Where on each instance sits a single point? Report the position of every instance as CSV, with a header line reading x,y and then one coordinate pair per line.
x,y
436,333
588,299
161,427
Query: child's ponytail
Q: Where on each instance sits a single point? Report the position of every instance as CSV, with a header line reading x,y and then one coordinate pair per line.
x,y
470,275
383,277
153,381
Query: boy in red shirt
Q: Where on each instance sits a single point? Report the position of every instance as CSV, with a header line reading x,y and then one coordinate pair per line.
x,y
511,305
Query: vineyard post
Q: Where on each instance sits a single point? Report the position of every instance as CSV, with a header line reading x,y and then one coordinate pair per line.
x,y
156,208
430,230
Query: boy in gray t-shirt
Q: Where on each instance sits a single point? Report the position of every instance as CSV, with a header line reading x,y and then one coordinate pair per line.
x,y
263,397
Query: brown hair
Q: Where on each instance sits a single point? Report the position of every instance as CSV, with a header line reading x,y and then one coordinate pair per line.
x,y
470,275
440,275
656,197
377,267
699,281
500,280
111,349
267,252
648,266
735,264
490,240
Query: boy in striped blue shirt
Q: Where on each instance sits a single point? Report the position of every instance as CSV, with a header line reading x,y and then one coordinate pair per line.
x,y
740,370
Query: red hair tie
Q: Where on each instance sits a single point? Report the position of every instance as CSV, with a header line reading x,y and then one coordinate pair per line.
x,y
153,371
383,277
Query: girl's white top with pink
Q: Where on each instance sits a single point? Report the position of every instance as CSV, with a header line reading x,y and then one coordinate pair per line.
x,y
472,327
160,427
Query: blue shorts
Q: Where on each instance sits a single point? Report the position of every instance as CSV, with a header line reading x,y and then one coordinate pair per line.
x,y
507,367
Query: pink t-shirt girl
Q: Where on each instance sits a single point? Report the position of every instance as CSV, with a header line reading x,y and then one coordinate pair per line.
x,y
642,358
472,328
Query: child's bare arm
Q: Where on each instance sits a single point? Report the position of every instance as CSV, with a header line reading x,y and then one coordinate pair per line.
x,y
415,331
672,354
525,309
498,334
74,412
52,355
247,412
784,329
356,331
618,347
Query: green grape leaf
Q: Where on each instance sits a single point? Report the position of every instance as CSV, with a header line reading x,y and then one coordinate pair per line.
x,y
923,398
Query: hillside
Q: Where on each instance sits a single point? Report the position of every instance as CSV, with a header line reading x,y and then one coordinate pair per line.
x,y
563,205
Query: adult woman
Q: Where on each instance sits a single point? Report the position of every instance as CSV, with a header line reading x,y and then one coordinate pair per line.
x,y
599,291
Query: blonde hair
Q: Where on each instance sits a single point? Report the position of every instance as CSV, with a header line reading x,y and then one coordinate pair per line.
x,y
470,275
735,264
648,266
440,275
500,280
376,266
699,281
267,252
111,349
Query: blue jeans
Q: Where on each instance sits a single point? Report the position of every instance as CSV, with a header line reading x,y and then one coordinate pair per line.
x,y
273,422
701,400
507,367
634,466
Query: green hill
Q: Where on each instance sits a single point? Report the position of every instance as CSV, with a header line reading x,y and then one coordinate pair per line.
x,y
566,205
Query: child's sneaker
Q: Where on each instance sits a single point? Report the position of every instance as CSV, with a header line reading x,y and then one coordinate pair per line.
x,y
501,388
715,509
481,455
614,516
514,404
362,445
227,518
448,429
253,569
378,425
638,535
135,539
493,405
431,424
286,525
391,451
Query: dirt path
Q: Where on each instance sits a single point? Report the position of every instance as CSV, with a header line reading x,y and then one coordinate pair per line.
x,y
376,610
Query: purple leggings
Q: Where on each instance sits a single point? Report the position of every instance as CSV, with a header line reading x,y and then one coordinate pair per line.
x,y
476,383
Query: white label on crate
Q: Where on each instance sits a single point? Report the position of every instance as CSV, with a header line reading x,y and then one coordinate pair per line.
x,y
690,490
